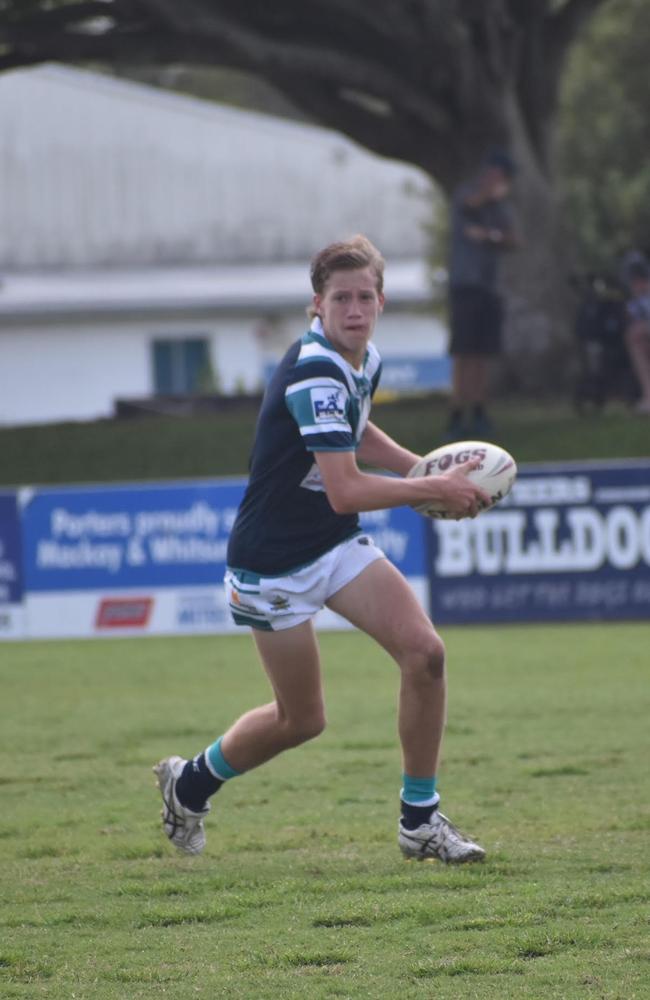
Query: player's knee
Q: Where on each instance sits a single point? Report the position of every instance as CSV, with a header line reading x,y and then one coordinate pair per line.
x,y
306,727
426,656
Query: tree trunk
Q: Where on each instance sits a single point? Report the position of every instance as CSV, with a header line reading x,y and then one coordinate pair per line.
x,y
539,352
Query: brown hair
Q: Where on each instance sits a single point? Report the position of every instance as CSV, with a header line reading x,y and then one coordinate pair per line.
x,y
349,255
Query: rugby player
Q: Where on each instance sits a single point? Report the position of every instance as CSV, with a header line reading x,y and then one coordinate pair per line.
x,y
297,546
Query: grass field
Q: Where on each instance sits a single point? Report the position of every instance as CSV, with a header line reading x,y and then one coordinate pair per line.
x,y
301,892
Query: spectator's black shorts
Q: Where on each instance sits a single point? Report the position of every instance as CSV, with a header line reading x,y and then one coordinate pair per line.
x,y
476,319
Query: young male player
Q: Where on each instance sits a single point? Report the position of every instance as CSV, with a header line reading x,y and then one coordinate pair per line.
x,y
297,546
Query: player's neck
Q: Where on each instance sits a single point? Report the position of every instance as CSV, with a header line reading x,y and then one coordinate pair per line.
x,y
355,359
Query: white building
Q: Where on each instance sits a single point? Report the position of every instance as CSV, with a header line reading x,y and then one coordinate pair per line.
x,y
147,240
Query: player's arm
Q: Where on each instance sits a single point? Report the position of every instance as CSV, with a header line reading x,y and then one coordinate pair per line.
x,y
378,449
350,491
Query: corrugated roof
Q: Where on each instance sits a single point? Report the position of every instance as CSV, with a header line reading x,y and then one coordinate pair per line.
x,y
103,172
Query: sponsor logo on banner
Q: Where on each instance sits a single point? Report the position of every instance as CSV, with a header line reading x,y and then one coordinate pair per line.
x,y
128,538
151,558
124,612
328,405
567,544
199,611
413,372
398,534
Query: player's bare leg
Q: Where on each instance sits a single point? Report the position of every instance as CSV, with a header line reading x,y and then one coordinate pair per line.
x,y
297,714
380,602
290,658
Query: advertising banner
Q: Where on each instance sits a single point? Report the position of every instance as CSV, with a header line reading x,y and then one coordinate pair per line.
x,y
11,582
570,543
138,558
412,373
132,558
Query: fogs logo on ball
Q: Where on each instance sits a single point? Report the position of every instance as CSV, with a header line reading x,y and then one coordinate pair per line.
x,y
328,404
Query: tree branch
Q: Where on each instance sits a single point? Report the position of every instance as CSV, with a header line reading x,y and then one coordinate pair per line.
x,y
566,22
429,81
391,136
113,48
254,52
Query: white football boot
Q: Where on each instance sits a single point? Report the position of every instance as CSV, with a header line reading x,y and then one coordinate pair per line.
x,y
183,827
439,839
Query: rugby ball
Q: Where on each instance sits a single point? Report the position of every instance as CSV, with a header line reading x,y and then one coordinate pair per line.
x,y
495,474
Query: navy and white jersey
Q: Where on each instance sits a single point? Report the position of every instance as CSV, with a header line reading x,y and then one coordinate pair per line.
x,y
315,401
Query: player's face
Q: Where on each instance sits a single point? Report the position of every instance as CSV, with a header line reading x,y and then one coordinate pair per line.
x,y
349,307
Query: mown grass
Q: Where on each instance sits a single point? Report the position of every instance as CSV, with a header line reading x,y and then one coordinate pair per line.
x,y
162,448
301,892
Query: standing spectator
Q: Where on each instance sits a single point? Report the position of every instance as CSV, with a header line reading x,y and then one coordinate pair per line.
x,y
637,330
481,228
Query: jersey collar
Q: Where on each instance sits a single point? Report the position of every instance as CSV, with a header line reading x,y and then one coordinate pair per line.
x,y
317,332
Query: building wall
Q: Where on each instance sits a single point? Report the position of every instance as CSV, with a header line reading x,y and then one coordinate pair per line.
x,y
75,370
96,171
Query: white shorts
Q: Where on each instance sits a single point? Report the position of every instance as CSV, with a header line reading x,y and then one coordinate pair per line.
x,y
271,603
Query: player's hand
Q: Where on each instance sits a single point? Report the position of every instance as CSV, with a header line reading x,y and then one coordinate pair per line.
x,y
461,497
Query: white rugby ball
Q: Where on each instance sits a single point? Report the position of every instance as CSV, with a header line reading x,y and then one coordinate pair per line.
x,y
495,474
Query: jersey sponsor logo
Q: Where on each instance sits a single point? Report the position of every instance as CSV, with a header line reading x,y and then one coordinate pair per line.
x,y
124,612
328,404
313,480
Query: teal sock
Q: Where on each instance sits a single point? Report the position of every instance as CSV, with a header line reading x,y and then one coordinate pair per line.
x,y
218,764
419,791
418,800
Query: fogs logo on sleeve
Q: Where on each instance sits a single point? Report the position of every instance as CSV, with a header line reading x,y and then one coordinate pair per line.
x,y
328,405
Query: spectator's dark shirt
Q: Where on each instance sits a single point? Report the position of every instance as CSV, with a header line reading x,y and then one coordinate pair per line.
x,y
471,263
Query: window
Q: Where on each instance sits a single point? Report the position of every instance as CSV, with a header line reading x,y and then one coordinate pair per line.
x,y
182,366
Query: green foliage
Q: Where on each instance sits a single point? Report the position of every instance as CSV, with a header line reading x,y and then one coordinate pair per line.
x,y
219,445
302,892
605,135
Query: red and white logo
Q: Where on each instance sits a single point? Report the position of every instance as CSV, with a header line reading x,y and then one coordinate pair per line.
x,y
124,612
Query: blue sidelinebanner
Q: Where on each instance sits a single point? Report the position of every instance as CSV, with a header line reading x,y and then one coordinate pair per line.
x,y
570,543
11,578
139,558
